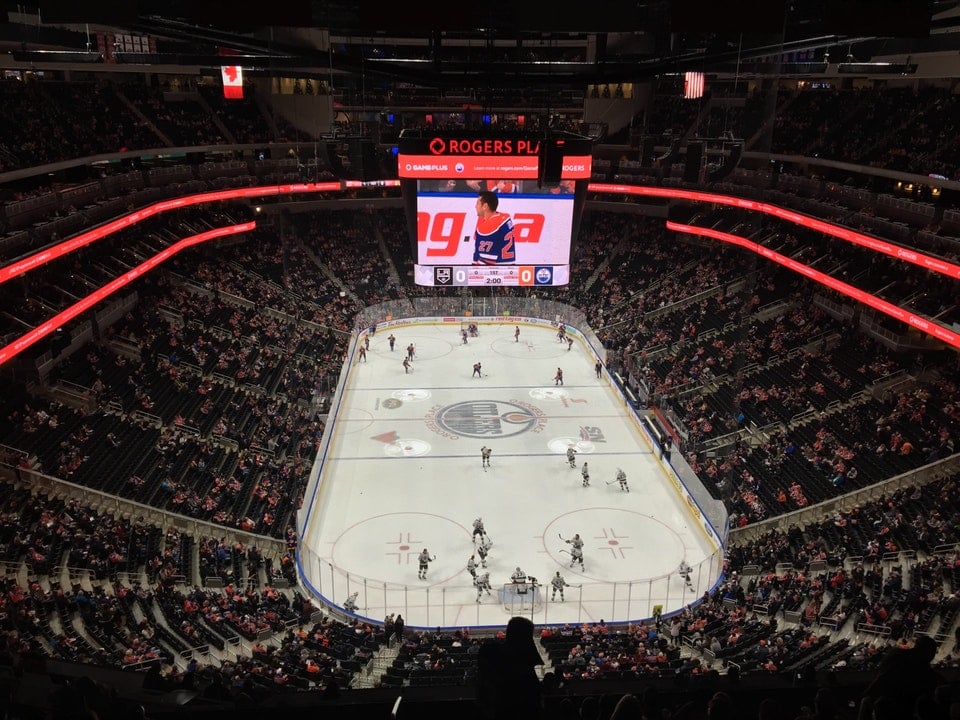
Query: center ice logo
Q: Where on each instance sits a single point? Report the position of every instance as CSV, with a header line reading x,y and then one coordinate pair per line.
x,y
485,419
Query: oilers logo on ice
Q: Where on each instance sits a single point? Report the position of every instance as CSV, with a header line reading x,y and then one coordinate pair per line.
x,y
485,419
543,276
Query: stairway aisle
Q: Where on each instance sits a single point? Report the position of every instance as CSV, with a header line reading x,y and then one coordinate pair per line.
x,y
370,676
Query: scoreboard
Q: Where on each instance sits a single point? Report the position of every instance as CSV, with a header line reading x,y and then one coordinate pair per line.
x,y
491,275
540,183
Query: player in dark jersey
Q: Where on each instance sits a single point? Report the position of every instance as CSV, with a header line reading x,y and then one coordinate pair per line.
x,y
493,240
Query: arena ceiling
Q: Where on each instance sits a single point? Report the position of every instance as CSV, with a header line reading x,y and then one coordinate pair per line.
x,y
623,41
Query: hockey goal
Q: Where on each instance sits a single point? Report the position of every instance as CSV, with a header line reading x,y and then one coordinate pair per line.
x,y
521,599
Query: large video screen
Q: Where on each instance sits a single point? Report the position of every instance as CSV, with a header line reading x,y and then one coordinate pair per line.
x,y
482,213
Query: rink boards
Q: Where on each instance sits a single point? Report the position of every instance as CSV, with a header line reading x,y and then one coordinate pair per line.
x,y
402,472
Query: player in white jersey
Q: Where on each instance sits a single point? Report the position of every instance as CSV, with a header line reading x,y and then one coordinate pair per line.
x,y
350,604
482,549
571,456
485,456
576,556
558,583
519,579
586,475
482,583
472,567
576,541
478,529
424,560
685,571
622,479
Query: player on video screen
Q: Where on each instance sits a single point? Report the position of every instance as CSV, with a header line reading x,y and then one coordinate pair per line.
x,y
493,241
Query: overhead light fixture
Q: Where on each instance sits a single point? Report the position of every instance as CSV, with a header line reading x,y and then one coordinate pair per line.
x,y
876,68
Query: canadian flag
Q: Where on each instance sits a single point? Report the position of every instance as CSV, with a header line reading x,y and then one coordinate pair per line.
x,y
232,82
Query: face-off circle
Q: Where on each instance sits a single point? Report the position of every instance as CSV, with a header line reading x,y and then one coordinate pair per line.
x,y
411,395
618,544
548,393
406,447
559,445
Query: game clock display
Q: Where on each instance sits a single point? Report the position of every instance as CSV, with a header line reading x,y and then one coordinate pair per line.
x,y
491,275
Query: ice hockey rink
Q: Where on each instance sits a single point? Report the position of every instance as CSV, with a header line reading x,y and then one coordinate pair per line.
x,y
401,471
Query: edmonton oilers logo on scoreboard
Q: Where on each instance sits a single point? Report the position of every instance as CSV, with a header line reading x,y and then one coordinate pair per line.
x,y
483,419
543,275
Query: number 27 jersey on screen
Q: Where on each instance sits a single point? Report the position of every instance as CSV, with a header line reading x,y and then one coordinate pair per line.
x,y
494,240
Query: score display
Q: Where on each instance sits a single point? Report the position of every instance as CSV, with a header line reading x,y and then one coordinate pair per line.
x,y
441,177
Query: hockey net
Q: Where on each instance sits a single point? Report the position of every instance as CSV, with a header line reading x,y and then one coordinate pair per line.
x,y
521,599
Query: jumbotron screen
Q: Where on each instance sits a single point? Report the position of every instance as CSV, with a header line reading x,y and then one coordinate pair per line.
x,y
482,213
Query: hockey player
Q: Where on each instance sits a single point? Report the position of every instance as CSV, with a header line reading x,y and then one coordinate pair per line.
x,y
393,341
516,334
576,542
477,370
482,583
472,567
411,351
350,604
576,556
622,479
493,240
598,367
463,334
485,456
482,549
586,475
572,456
558,378
569,343
561,332
406,365
478,529
558,583
363,354
366,342
519,579
685,571
424,559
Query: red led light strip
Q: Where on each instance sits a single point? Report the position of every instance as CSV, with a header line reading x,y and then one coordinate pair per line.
x,y
83,239
901,253
894,311
41,331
